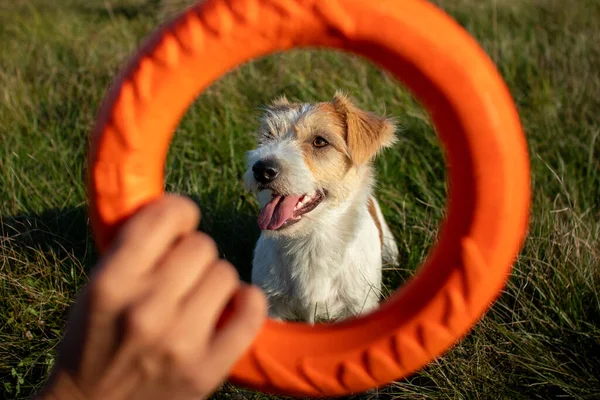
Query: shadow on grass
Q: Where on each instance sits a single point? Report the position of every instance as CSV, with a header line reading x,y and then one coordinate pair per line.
x,y
67,233
235,232
62,232
45,258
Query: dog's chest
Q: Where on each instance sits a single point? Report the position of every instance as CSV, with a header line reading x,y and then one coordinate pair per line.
x,y
333,268
314,268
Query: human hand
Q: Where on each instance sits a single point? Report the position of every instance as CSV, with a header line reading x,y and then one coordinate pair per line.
x,y
147,324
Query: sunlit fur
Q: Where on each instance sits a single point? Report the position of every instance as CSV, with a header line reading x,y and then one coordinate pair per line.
x,y
328,264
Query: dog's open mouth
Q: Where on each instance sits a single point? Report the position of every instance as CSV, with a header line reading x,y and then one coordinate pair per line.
x,y
283,211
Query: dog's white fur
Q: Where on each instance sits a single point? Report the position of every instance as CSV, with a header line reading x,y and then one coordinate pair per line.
x,y
328,264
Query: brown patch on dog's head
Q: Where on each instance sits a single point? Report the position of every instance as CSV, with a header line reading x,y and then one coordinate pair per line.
x,y
328,163
365,133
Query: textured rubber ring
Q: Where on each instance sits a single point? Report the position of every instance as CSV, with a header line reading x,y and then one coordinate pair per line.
x,y
475,117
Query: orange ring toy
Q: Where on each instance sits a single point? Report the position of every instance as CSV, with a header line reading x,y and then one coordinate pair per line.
x,y
476,120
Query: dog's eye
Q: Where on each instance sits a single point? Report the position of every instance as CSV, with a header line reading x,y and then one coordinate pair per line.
x,y
320,142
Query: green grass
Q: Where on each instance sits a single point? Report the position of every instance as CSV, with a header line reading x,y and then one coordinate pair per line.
x,y
541,340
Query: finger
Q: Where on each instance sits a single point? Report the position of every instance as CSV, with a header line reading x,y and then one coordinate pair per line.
x,y
145,237
176,278
141,243
189,258
201,310
248,313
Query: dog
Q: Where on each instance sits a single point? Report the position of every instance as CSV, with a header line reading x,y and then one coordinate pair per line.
x,y
323,236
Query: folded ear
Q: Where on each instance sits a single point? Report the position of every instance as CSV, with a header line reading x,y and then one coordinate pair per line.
x,y
366,133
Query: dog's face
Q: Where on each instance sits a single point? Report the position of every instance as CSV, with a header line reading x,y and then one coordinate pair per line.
x,y
310,158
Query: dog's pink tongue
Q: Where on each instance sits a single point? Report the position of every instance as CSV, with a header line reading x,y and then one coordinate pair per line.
x,y
279,210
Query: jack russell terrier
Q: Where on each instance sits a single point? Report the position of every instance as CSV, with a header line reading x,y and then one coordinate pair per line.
x,y
324,238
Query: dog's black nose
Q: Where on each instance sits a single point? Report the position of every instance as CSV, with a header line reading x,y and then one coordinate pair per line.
x,y
265,171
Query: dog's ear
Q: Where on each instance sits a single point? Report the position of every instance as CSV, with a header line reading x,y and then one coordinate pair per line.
x,y
366,133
